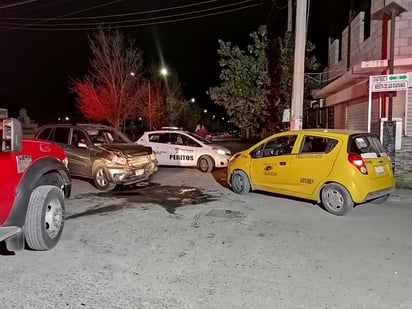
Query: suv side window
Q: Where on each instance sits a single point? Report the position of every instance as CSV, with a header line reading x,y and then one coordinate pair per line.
x,y
78,136
61,135
45,134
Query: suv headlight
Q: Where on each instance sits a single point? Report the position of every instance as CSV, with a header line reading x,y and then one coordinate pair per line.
x,y
153,156
119,160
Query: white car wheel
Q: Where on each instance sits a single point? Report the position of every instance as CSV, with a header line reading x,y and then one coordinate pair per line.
x,y
205,164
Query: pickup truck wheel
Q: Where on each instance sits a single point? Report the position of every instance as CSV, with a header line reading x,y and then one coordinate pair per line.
x,y
336,199
44,220
101,180
205,164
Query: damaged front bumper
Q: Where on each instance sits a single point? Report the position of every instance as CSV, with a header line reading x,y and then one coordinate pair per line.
x,y
134,171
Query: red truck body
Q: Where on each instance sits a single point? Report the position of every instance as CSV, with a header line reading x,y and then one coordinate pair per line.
x,y
34,181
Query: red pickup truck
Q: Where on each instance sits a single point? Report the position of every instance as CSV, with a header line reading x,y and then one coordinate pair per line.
x,y
34,183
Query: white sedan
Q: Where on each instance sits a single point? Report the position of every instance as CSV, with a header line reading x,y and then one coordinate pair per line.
x,y
182,148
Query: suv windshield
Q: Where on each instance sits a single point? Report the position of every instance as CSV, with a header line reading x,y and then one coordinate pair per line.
x,y
102,136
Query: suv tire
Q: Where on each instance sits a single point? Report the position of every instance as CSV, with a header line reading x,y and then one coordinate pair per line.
x,y
101,180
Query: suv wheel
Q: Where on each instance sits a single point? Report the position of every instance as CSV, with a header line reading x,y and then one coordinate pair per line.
x,y
336,199
101,180
44,219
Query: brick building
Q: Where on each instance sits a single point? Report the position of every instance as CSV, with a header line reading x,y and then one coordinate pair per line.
x,y
363,51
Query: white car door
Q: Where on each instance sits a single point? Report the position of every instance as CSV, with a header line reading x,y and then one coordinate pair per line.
x,y
182,150
160,143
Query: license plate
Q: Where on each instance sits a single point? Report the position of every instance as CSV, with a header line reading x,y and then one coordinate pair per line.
x,y
139,172
379,169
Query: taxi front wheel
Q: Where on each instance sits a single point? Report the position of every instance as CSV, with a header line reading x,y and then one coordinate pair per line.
x,y
240,182
336,199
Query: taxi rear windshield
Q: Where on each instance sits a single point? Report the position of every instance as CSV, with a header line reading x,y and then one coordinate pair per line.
x,y
366,145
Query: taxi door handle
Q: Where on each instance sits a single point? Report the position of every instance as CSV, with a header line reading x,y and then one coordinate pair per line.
x,y
282,163
267,168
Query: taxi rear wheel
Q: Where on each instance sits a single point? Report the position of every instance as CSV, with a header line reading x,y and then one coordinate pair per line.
x,y
336,199
240,182
205,164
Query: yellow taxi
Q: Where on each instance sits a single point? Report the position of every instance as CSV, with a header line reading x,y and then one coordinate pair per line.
x,y
336,168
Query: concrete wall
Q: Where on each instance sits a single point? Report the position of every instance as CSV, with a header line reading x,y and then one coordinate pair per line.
x,y
370,48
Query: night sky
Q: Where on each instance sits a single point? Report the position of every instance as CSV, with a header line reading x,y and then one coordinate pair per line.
x,y
44,43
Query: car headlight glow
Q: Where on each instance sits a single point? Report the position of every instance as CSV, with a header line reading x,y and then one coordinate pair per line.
x,y
219,151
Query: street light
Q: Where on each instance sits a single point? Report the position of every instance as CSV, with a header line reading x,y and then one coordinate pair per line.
x,y
164,71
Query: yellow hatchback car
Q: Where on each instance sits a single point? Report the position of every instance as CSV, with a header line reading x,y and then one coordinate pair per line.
x,y
336,168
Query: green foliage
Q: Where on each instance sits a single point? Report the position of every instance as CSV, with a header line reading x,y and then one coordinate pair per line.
x,y
287,54
245,81
256,83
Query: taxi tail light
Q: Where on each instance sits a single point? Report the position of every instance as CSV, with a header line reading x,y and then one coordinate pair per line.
x,y
358,162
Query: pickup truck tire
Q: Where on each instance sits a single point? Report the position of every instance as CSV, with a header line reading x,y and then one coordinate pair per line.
x,y
101,180
44,220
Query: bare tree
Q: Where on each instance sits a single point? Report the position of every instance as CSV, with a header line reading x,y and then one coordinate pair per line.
x,y
113,89
155,110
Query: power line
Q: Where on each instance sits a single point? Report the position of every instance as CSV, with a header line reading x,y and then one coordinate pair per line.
x,y
136,22
113,15
16,4
68,14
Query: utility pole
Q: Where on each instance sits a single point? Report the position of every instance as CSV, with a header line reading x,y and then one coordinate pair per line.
x,y
290,14
299,66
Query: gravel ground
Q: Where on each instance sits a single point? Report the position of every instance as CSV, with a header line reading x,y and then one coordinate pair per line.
x,y
231,251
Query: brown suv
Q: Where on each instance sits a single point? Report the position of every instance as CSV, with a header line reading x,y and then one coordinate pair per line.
x,y
102,153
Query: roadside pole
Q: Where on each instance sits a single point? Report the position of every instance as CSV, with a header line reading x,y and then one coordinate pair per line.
x,y
299,66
